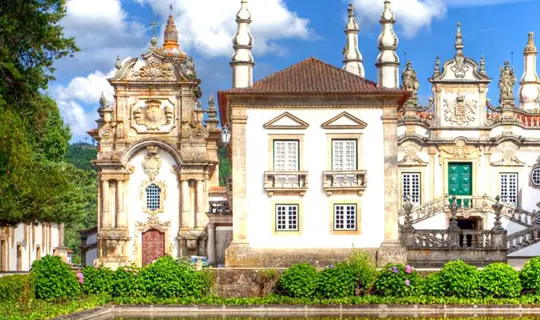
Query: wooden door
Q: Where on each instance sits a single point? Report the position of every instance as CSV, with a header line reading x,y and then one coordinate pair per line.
x,y
153,245
460,181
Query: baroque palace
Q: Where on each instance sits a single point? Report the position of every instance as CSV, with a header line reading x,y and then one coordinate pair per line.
x,y
323,160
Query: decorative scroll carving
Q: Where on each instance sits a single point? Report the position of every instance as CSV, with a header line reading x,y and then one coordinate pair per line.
x,y
155,69
153,223
153,116
460,68
460,111
411,157
152,162
460,150
509,158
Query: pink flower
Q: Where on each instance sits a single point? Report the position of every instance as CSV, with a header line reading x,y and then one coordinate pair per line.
x,y
408,269
407,283
81,277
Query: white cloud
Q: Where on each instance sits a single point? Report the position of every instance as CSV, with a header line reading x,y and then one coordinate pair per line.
x,y
208,26
79,92
411,15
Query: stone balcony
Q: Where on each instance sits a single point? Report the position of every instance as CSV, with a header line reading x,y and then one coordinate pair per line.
x,y
286,182
344,182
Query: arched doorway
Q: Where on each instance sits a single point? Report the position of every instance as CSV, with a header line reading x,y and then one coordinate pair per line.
x,y
153,245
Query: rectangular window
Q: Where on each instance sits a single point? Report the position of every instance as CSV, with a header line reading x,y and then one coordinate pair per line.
x,y
345,217
509,188
286,155
287,217
344,155
410,187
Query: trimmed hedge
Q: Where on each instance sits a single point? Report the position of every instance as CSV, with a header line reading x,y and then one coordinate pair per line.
x,y
16,288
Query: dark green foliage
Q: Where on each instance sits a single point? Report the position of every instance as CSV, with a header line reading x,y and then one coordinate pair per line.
x,y
299,281
432,286
16,288
97,280
398,281
530,276
81,154
336,282
169,278
225,169
125,282
54,279
363,269
460,279
500,280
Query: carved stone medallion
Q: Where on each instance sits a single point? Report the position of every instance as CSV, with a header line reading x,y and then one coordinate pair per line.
x,y
152,162
508,152
411,157
460,68
459,151
153,116
460,111
155,69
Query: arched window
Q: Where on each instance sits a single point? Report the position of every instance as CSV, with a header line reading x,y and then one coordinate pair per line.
x,y
153,197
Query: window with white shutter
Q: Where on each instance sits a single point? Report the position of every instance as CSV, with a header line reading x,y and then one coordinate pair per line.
x,y
287,217
509,188
286,155
344,155
410,187
345,217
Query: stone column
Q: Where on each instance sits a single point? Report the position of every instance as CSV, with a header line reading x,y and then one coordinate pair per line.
x,y
239,120
211,229
61,232
391,249
187,218
121,219
105,211
199,208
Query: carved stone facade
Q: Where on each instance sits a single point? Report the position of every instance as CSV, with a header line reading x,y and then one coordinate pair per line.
x,y
462,145
157,159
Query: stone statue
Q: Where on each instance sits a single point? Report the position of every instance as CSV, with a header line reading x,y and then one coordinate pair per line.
x,y
410,81
506,84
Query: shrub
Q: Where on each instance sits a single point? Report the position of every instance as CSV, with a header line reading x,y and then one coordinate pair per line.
x,y
97,280
169,278
460,279
363,269
125,282
530,276
500,280
53,279
16,288
433,286
299,281
336,282
398,281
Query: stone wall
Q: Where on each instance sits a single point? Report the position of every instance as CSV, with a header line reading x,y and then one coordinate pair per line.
x,y
436,258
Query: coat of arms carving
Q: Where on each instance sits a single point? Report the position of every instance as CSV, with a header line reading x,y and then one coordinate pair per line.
x,y
460,111
155,69
153,116
152,162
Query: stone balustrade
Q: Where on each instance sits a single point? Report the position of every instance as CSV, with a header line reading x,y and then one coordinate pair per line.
x,y
289,182
344,181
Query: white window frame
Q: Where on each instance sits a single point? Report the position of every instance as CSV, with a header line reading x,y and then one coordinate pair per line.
x,y
345,217
291,159
535,177
411,182
509,187
340,160
290,215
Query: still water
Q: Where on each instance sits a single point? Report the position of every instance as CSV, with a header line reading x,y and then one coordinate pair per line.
x,y
336,317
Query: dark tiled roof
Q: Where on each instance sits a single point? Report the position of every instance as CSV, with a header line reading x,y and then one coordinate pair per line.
x,y
312,76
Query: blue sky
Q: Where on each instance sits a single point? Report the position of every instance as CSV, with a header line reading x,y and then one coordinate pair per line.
x,y
285,32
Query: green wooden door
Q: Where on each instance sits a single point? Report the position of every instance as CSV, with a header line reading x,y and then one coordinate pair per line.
x,y
460,181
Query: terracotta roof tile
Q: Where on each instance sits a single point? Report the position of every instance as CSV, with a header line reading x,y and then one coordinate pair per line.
x,y
313,76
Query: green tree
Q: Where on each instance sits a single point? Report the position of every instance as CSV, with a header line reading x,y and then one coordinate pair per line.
x,y
225,169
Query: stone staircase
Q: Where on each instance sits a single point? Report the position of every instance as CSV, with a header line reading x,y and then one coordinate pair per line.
x,y
472,205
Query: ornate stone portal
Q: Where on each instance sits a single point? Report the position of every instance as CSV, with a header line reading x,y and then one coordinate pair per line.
x,y
156,158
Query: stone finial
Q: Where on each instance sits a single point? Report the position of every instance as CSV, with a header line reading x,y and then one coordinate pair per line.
x,y
459,41
103,101
531,47
410,82
407,207
352,58
483,65
388,60
507,81
529,89
212,121
437,70
454,207
118,63
497,207
171,47
242,60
